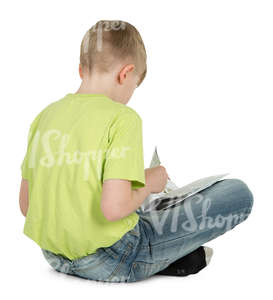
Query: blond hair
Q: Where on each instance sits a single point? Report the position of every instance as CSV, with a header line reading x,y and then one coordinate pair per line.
x,y
109,42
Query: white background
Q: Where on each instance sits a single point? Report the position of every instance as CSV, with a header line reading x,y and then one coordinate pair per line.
x,y
206,104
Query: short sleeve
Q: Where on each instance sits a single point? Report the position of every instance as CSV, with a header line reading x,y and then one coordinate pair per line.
x,y
124,155
24,168
25,163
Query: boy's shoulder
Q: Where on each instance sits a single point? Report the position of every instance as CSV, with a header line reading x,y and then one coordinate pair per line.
x,y
117,109
125,110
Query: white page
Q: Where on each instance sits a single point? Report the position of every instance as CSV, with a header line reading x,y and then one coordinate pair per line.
x,y
170,186
172,194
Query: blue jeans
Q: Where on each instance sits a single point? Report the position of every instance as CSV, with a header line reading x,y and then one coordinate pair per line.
x,y
161,237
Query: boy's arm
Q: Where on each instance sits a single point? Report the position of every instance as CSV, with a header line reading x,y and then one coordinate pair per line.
x,y
23,197
119,200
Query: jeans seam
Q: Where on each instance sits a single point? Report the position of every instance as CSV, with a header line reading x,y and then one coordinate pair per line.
x,y
135,233
80,266
123,258
110,252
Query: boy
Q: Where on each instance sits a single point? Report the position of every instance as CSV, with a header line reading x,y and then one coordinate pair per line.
x,y
83,174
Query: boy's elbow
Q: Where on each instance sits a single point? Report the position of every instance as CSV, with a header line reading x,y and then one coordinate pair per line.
x,y
23,197
111,217
23,211
110,213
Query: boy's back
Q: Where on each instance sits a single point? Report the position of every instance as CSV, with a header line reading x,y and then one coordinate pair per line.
x,y
74,145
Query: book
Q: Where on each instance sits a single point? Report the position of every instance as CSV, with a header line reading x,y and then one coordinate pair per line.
x,y
172,194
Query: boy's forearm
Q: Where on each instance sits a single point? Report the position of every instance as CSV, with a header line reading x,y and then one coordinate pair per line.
x,y
139,195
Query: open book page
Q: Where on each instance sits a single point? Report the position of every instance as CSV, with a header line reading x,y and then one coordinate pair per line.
x,y
171,194
170,186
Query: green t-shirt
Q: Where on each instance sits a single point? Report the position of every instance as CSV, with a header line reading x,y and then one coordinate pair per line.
x,y
74,144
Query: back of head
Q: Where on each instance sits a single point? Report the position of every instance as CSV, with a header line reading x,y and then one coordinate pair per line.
x,y
110,42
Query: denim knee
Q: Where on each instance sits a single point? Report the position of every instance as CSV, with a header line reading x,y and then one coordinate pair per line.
x,y
244,189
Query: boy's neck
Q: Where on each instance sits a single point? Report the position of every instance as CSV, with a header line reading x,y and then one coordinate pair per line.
x,y
94,91
98,86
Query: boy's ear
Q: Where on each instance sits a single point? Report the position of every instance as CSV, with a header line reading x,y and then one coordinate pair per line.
x,y
80,71
124,72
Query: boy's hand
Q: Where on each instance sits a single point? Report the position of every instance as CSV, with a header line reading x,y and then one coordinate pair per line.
x,y
156,178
